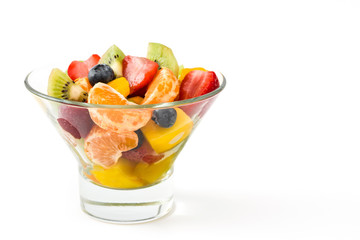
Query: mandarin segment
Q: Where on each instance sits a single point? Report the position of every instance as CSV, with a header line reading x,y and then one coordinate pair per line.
x,y
120,120
83,83
163,88
102,93
117,120
105,147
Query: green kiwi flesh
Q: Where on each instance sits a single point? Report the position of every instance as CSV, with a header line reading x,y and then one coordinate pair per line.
x,y
163,56
181,67
114,57
61,86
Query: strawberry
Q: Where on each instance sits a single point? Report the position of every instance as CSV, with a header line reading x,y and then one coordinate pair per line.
x,y
79,69
139,71
197,83
140,93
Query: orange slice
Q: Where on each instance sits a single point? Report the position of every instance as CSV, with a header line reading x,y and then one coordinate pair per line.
x,y
105,147
83,83
163,88
116,120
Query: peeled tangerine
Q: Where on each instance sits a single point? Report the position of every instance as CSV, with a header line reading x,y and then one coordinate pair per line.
x,y
163,139
118,176
104,148
163,88
83,83
116,120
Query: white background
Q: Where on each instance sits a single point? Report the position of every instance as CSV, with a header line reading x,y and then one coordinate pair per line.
x,y
277,156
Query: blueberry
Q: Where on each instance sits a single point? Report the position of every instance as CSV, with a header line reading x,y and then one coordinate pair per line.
x,y
101,73
164,117
140,137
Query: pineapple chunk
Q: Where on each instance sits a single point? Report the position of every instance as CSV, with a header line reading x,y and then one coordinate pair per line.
x,y
163,139
118,176
155,171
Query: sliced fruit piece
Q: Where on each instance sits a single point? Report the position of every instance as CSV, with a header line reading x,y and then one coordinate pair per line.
x,y
136,99
144,153
114,58
92,61
163,88
61,86
105,147
101,73
117,120
121,85
139,71
140,93
163,139
197,83
68,127
118,176
185,71
83,83
156,171
75,120
163,56
79,69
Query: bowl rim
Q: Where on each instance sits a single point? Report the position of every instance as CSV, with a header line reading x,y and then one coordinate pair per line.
x,y
145,106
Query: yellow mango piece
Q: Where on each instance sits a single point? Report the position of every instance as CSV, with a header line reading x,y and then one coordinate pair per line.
x,y
121,85
136,99
121,175
162,139
155,171
185,71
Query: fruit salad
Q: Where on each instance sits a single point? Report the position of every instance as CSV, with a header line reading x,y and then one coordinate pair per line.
x,y
132,145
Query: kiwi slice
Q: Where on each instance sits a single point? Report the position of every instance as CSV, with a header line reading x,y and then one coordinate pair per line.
x,y
61,86
163,56
181,67
114,57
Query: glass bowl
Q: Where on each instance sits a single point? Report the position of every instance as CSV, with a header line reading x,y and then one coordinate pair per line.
x,y
124,177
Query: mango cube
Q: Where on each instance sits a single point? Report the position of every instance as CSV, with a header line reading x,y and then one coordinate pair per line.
x,y
121,85
118,176
162,139
136,99
155,171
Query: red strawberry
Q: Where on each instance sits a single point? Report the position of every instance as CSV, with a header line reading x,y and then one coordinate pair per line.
x,y
143,153
197,83
78,69
139,72
141,92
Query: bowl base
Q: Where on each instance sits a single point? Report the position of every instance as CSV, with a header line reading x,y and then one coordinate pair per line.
x,y
126,206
